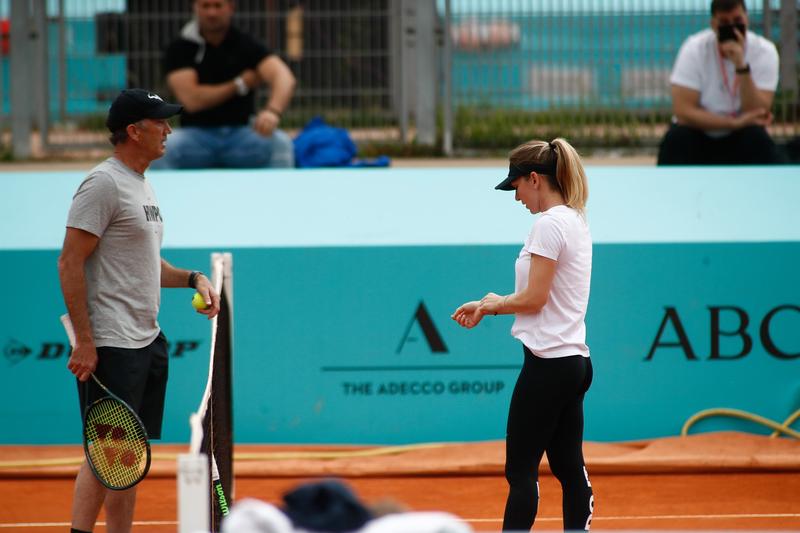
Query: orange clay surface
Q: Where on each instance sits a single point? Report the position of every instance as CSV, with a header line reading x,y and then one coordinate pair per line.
x,y
718,482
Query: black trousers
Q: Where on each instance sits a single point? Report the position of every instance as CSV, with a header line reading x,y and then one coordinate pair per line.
x,y
546,416
752,145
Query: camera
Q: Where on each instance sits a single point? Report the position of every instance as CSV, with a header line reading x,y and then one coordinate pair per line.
x,y
725,32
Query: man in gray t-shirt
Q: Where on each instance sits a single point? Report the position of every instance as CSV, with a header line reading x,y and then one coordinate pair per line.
x,y
111,274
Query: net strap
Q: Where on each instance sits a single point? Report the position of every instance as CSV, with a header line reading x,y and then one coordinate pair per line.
x,y
196,419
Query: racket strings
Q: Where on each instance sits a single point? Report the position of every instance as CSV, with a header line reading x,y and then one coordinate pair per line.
x,y
116,443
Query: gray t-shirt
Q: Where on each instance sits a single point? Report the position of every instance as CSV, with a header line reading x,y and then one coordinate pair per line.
x,y
123,274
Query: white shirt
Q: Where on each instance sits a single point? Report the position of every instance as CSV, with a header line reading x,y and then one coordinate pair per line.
x,y
558,329
700,67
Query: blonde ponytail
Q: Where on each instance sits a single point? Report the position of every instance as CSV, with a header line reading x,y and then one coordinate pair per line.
x,y
569,178
570,175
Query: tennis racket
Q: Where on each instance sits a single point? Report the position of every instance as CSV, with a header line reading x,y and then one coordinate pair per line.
x,y
114,439
115,442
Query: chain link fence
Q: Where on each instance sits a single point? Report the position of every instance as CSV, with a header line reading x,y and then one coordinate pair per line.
x,y
499,71
596,72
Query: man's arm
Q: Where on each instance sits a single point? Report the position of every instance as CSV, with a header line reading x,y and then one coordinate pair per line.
x,y
275,73
687,109
78,246
195,96
752,97
178,277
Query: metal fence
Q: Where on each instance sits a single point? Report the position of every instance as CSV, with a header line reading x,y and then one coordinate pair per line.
x,y
594,71
468,74
339,50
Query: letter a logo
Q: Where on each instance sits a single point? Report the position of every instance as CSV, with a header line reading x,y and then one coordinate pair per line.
x,y
423,318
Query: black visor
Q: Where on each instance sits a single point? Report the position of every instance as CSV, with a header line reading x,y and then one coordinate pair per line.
x,y
515,172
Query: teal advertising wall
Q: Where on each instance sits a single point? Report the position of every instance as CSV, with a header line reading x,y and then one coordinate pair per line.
x,y
344,281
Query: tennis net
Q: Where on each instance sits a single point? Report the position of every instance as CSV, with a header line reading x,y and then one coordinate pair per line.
x,y
205,473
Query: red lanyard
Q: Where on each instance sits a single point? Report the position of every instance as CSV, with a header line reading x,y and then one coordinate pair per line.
x,y
732,91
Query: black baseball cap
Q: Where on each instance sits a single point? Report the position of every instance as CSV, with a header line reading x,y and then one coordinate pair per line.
x,y
133,105
515,172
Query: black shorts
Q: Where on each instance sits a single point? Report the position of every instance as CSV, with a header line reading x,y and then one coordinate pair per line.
x,y
138,376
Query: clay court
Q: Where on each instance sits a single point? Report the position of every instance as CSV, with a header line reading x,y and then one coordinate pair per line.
x,y
713,481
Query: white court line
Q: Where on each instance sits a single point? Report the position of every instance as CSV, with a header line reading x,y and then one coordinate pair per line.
x,y
67,524
657,517
474,520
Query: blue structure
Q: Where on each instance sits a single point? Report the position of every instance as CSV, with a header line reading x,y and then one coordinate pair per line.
x,y
572,58
344,281
92,79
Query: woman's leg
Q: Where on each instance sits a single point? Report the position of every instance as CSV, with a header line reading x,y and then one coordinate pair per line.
x,y
565,451
531,422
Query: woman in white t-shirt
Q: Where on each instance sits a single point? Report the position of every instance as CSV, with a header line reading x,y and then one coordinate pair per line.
x,y
551,294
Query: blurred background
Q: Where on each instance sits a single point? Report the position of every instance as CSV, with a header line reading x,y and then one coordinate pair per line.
x,y
405,77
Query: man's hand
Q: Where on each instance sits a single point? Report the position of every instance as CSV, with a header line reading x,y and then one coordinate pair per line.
x,y
734,50
266,122
210,296
83,360
756,117
250,78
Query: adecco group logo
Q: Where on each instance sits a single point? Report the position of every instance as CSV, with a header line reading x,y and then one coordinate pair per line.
x,y
16,352
419,379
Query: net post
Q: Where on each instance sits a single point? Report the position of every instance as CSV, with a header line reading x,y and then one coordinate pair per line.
x,y
193,501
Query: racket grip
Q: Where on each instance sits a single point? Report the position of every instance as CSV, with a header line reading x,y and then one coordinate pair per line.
x,y
67,323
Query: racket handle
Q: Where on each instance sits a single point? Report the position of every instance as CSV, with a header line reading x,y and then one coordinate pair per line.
x,y
99,383
67,323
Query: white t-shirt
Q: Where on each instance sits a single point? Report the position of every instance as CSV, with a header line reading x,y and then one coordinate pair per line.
x,y
700,67
558,329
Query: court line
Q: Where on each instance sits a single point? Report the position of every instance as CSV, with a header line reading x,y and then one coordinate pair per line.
x,y
67,524
657,517
474,520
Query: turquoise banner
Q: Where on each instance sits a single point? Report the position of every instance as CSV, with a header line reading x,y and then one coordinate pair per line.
x,y
354,344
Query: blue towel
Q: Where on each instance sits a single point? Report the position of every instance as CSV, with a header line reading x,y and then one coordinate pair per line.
x,y
322,145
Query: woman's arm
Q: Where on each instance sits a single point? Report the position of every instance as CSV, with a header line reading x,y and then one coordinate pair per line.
x,y
529,300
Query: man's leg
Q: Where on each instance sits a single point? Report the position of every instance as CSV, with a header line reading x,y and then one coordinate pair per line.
x,y
683,145
282,150
87,499
119,510
245,148
189,148
750,146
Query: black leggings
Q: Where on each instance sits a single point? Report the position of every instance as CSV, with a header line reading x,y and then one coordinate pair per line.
x,y
546,416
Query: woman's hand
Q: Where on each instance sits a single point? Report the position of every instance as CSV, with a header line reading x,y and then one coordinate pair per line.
x,y
468,315
491,304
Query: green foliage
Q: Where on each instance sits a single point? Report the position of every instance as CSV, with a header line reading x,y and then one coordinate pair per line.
x,y
478,128
6,153
398,149
95,122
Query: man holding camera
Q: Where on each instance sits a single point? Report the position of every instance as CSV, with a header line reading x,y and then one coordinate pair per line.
x,y
723,84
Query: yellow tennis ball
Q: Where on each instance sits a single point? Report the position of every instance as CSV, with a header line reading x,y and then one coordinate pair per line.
x,y
198,302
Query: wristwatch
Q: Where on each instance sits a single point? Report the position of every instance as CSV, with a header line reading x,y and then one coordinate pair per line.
x,y
744,70
241,87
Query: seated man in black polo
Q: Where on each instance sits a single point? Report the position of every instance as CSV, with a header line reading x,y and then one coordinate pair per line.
x,y
723,83
213,69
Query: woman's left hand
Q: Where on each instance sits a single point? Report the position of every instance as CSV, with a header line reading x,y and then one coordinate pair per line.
x,y
491,304
468,315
